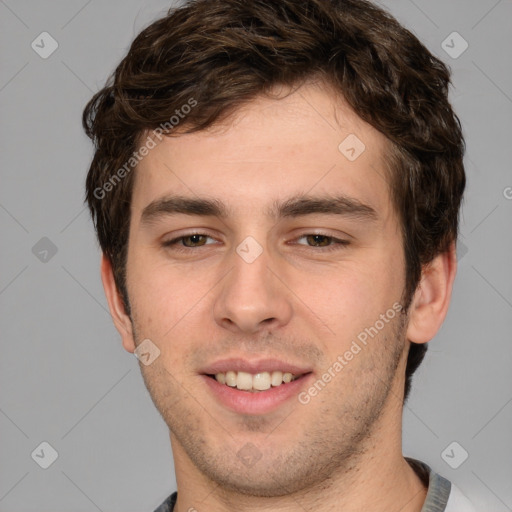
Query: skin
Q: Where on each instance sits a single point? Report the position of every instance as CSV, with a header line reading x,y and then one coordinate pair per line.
x,y
297,301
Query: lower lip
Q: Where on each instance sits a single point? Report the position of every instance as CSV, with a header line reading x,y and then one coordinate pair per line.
x,y
260,402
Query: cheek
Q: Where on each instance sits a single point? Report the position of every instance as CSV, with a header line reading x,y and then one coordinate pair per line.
x,y
164,299
343,302
350,298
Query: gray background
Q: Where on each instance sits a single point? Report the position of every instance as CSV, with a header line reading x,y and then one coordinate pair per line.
x,y
64,376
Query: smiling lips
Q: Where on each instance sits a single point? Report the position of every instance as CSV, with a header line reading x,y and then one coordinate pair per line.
x,y
254,376
255,387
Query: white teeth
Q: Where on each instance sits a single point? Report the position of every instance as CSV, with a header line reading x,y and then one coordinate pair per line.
x,y
257,382
230,379
244,381
277,378
261,381
287,377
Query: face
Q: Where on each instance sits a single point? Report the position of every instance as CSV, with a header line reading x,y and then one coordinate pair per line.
x,y
265,247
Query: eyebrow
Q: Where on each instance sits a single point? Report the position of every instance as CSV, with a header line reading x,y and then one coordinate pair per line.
x,y
334,205
295,206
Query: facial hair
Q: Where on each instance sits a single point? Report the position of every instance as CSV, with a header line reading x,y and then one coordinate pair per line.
x,y
322,441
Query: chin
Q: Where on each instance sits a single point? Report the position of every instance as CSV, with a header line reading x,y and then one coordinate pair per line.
x,y
271,476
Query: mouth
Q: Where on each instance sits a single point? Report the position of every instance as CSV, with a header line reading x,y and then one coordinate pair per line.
x,y
255,387
254,383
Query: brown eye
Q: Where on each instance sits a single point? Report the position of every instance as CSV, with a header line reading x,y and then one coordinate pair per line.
x,y
194,240
182,243
319,240
321,243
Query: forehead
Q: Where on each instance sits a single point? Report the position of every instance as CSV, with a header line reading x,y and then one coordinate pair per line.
x,y
306,141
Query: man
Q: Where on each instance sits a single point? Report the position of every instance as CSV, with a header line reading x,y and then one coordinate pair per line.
x,y
276,190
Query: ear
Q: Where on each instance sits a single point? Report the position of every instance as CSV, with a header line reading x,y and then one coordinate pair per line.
x,y
432,297
115,303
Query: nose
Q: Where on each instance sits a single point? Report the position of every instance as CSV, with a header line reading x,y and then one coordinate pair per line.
x,y
252,298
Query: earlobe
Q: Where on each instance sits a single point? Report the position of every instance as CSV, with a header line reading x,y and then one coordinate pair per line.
x,y
432,297
121,320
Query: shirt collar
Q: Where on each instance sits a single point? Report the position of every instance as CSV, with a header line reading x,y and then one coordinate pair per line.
x,y
438,488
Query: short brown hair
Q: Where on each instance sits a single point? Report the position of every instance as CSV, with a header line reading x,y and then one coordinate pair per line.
x,y
223,53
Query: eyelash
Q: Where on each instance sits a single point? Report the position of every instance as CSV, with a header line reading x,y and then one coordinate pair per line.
x,y
336,243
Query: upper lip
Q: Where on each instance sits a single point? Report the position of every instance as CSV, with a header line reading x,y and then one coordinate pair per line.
x,y
255,366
